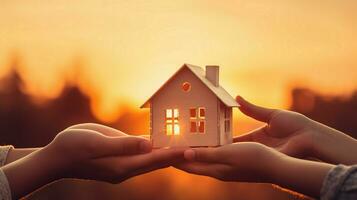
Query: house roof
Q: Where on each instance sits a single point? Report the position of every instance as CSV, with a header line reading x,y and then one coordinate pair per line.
x,y
219,91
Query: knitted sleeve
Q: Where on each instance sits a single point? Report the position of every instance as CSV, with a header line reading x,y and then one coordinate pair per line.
x,y
340,183
5,193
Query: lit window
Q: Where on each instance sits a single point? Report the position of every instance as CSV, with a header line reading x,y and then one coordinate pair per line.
x,y
193,128
168,129
172,122
201,127
201,112
176,129
168,113
197,120
193,112
176,113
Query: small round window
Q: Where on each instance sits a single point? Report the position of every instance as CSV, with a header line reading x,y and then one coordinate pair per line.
x,y
186,86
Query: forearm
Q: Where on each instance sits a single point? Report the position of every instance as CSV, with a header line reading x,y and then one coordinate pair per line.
x,y
32,172
15,154
333,146
300,175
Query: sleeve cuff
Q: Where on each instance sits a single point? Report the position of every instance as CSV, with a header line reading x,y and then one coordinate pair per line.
x,y
334,181
4,150
5,192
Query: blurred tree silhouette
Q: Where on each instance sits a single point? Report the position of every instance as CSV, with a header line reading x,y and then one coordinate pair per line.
x,y
335,111
26,124
15,108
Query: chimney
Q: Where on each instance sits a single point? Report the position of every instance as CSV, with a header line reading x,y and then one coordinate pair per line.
x,y
212,74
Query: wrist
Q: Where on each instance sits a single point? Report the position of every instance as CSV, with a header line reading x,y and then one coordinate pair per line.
x,y
274,167
59,164
18,153
321,141
334,146
273,160
50,163
302,176
32,172
312,137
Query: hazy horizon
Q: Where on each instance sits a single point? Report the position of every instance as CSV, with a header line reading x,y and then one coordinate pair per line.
x,y
126,50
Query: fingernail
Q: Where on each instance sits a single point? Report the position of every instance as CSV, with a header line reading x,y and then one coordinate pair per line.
x,y
145,147
239,99
189,155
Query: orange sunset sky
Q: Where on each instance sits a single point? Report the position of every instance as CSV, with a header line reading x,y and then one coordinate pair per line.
x,y
126,49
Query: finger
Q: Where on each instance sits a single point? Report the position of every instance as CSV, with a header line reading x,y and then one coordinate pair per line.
x,y
248,137
145,136
205,169
156,166
251,136
157,159
105,130
119,168
254,111
259,135
203,155
125,145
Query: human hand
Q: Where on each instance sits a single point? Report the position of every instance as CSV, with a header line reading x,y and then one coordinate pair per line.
x,y
88,151
243,162
254,162
93,151
296,135
288,132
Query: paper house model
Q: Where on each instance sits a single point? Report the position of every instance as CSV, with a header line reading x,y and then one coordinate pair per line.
x,y
191,109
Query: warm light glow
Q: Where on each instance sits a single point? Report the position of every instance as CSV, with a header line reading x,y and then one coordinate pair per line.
x,y
125,50
120,52
168,129
176,113
176,129
172,121
168,113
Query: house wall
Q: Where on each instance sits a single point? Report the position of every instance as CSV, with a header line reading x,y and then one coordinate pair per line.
x,y
172,96
225,137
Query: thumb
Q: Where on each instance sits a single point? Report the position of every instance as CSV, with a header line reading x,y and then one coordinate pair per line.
x,y
254,111
125,145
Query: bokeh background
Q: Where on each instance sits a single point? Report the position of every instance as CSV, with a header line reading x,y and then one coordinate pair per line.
x,y
65,62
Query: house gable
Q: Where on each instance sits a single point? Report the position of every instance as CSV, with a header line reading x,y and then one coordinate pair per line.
x,y
219,91
172,93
